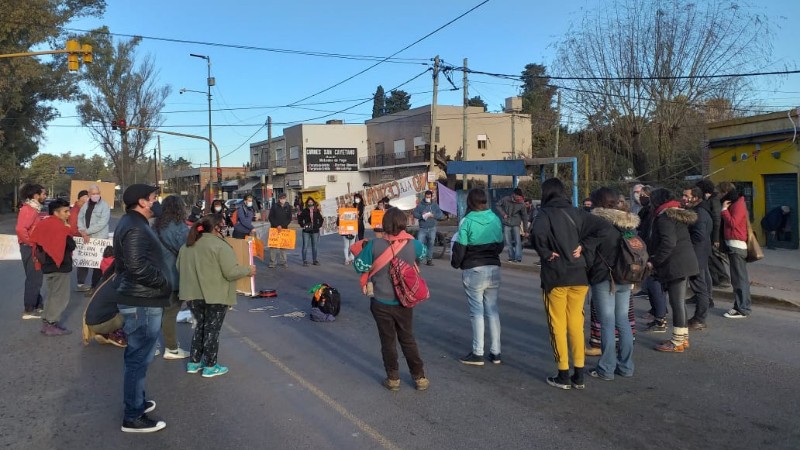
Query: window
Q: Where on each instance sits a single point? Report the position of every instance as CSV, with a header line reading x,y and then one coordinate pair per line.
x,y
400,148
482,141
294,152
280,157
379,148
419,142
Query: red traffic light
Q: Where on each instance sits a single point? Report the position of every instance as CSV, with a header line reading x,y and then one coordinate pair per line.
x,y
219,172
113,124
122,123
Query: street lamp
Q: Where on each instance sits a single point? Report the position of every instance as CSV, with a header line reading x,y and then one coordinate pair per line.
x,y
210,82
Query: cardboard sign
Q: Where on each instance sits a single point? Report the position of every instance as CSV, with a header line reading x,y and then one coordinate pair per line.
x,y
348,221
243,248
9,248
376,219
284,238
89,254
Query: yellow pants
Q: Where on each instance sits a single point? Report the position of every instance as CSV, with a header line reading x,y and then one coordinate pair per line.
x,y
564,307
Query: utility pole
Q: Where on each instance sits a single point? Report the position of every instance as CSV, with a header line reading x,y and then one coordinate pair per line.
x,y
558,131
155,165
159,170
465,141
433,114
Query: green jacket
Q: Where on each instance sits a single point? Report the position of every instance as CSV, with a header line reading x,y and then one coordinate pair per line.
x,y
208,271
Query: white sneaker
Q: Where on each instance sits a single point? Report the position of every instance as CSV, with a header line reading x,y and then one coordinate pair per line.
x,y
83,288
31,315
178,353
158,349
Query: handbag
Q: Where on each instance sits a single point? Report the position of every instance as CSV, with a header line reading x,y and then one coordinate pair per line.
x,y
754,251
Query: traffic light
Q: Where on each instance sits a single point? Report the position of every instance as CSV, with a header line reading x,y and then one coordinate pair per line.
x,y
114,125
122,124
73,48
87,53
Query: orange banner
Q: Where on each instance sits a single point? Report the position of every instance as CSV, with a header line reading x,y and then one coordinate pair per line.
x,y
284,238
348,221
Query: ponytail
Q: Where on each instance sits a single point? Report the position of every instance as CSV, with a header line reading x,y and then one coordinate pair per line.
x,y
206,224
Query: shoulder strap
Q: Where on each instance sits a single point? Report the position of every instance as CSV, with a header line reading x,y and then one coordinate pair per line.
x,y
387,256
570,220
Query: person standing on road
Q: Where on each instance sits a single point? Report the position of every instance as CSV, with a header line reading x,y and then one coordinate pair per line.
x,y
718,263
383,204
310,221
395,323
33,195
476,251
53,248
348,239
280,216
673,260
427,213
735,221
143,290
93,221
512,210
610,299
245,214
700,233
358,203
172,231
74,212
651,287
208,273
557,234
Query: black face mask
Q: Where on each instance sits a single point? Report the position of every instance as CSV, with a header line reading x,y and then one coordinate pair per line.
x,y
587,208
157,209
644,201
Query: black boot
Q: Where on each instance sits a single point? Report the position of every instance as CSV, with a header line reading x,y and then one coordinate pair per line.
x,y
561,381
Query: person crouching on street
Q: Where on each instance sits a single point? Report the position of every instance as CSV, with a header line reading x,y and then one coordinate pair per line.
x,y
53,245
208,272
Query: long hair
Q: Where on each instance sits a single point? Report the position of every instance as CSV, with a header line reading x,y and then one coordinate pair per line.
x,y
360,205
476,201
206,224
394,221
552,189
173,211
604,198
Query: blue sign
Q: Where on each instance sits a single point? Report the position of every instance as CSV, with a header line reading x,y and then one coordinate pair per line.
x,y
68,170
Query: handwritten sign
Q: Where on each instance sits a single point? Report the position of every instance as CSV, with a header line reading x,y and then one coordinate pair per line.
x,y
9,248
348,221
376,219
89,254
284,238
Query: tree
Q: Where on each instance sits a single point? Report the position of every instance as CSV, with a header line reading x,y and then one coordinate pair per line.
x,y
29,84
379,103
116,88
477,101
396,101
644,66
537,100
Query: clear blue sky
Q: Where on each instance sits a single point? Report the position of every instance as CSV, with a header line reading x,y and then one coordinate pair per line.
x,y
501,36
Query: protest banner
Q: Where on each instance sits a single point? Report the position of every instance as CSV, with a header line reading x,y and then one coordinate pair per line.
x,y
9,248
90,254
284,238
348,221
376,218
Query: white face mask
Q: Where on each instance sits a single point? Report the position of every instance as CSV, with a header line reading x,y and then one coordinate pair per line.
x,y
217,208
94,198
248,204
427,199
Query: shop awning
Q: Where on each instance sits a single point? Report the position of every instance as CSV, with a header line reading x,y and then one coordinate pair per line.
x,y
248,187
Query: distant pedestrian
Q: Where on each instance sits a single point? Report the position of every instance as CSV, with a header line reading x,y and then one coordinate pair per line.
x,y
93,220
208,272
395,323
382,205
54,246
358,203
245,215
310,220
673,261
33,196
428,213
515,223
476,251
143,290
735,221
700,233
280,216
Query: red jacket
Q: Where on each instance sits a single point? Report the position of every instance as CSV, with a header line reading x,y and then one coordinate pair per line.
x,y
734,220
73,219
26,221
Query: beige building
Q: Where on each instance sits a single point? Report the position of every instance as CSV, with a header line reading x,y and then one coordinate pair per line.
x,y
398,143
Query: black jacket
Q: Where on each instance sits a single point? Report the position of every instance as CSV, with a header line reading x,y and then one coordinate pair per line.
x,y
304,220
280,216
700,233
602,248
554,232
139,263
49,265
670,246
714,208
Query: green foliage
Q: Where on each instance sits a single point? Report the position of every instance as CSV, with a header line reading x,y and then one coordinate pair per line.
x,y
379,103
44,170
477,101
397,100
537,100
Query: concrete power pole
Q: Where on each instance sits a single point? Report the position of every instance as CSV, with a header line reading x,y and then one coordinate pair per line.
x,y
433,114
159,169
465,140
558,131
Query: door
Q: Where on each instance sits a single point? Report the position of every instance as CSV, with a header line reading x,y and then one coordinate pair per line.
x,y
781,190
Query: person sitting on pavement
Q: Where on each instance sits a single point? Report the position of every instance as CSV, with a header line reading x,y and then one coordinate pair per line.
x,y
33,195
245,215
476,251
93,221
310,220
208,272
512,210
700,233
53,245
280,216
735,221
428,213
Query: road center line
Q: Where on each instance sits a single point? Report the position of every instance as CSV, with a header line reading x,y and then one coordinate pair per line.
x,y
363,426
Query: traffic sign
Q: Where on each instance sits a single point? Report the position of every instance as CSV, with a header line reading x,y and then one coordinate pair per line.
x,y
66,170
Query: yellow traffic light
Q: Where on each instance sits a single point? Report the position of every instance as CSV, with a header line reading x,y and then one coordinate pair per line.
x,y
87,53
72,57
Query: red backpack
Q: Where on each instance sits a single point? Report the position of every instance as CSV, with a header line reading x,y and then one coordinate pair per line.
x,y
409,286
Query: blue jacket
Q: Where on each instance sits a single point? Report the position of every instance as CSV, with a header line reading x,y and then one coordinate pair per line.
x,y
431,207
244,219
172,238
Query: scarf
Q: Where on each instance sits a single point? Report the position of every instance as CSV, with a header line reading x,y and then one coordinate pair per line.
x,y
89,210
667,205
34,204
51,234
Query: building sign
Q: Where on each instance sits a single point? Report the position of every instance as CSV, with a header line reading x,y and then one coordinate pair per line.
x,y
331,160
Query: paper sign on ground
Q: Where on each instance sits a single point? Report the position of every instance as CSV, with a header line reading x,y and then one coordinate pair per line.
x,y
90,254
284,238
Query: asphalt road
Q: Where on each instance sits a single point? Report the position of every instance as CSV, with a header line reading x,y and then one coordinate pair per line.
x,y
300,384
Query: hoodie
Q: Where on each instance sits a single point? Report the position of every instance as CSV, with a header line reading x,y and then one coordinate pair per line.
x,y
670,245
479,241
602,249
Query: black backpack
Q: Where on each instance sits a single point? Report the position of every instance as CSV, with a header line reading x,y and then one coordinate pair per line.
x,y
327,299
632,256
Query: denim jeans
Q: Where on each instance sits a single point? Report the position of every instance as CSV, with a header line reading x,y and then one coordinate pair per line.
x,y
427,236
142,325
513,242
348,257
612,309
313,239
740,281
658,299
482,284
33,280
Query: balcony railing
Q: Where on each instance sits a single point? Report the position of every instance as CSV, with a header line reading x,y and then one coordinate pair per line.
x,y
393,159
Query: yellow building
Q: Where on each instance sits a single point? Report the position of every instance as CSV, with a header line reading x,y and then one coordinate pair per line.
x,y
761,155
